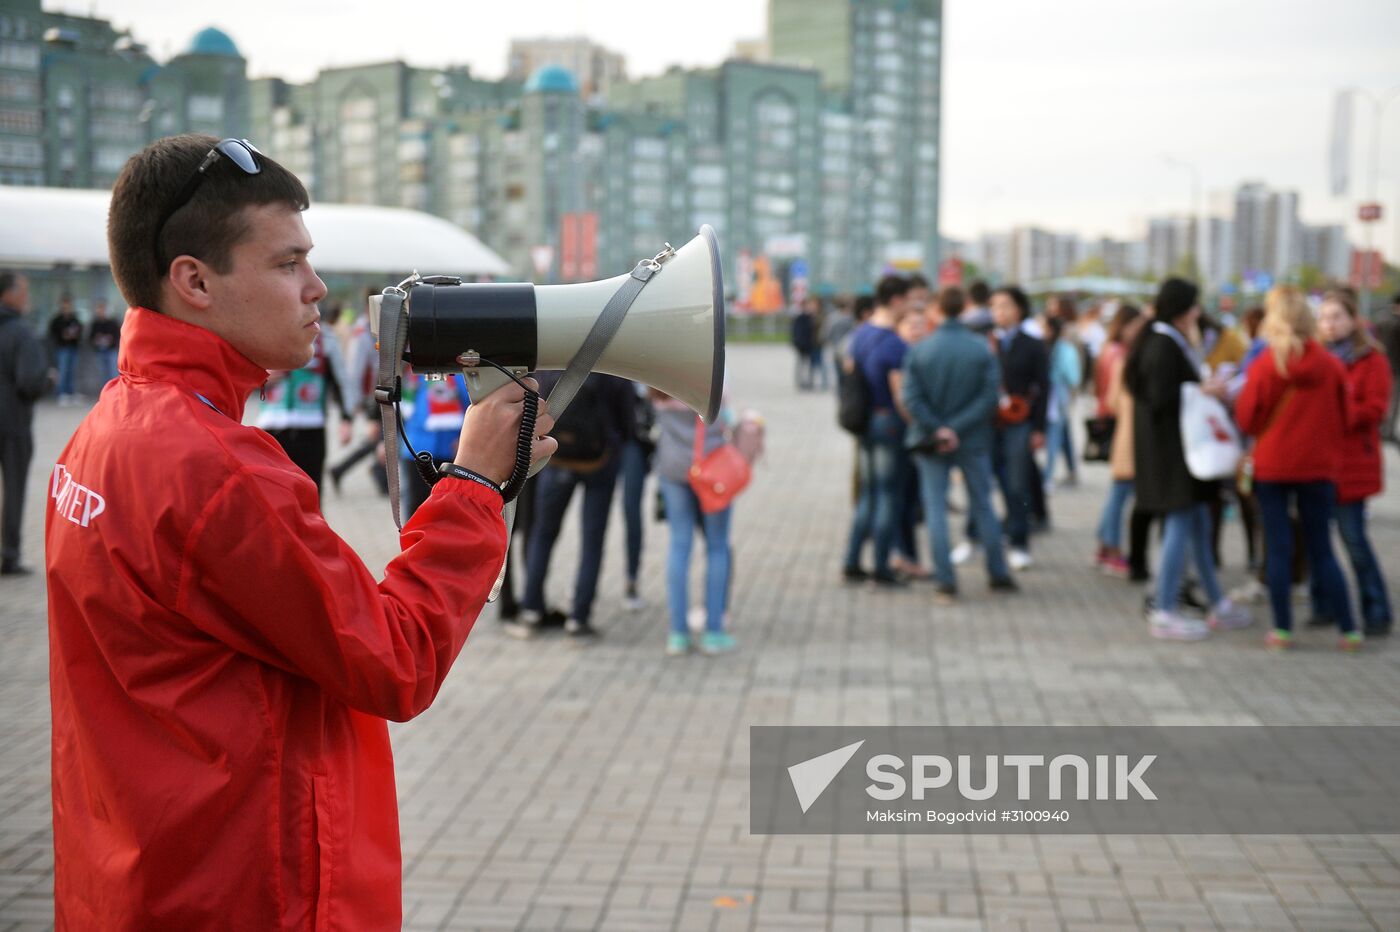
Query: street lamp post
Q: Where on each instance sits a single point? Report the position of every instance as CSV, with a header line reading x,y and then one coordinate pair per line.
x,y
1379,103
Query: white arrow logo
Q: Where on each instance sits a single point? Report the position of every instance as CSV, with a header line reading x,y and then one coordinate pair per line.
x,y
811,777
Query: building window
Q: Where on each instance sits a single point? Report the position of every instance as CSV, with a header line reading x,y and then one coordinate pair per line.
x,y
206,108
23,122
21,153
18,87
22,56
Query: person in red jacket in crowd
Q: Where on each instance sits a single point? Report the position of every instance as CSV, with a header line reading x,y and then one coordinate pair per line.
x,y
221,663
1368,384
1294,404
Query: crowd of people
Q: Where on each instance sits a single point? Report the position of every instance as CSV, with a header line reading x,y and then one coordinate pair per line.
x,y
979,383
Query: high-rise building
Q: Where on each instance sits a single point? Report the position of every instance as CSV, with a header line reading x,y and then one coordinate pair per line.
x,y
78,97
880,63
1326,249
1266,230
21,108
595,68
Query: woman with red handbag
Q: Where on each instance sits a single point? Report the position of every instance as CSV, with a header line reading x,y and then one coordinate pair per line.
x,y
699,472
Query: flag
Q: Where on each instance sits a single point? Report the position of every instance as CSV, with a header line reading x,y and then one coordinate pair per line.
x,y
1340,152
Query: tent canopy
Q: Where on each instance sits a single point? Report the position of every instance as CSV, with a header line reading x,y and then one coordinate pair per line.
x,y
51,226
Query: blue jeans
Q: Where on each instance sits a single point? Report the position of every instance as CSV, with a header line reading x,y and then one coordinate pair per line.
x,y
684,515
1011,458
555,489
1186,529
1058,441
1111,521
976,469
818,367
67,367
634,477
107,365
1375,601
1315,503
883,462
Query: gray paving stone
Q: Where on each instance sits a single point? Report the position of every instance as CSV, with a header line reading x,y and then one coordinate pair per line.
x,y
607,787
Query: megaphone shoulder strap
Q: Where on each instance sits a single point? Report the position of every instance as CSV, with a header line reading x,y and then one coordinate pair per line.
x,y
601,334
393,335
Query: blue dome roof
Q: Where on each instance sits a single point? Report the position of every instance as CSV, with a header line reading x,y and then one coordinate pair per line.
x,y
552,79
213,41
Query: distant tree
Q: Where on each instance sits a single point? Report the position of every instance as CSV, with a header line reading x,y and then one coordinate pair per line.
x,y
1093,265
1186,267
1310,278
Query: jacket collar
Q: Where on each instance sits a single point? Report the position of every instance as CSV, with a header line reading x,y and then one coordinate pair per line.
x,y
159,348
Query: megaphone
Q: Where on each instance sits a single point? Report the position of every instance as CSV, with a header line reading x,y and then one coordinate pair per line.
x,y
672,337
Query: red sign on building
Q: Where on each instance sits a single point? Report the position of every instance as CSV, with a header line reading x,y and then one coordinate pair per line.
x,y
578,247
1369,213
950,272
1366,269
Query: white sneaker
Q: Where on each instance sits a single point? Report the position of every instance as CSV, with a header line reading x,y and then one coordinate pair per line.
x,y
963,552
1250,593
633,603
696,619
1227,616
1019,559
1301,594
1169,626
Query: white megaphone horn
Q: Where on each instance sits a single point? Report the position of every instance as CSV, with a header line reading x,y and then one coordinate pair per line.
x,y
672,337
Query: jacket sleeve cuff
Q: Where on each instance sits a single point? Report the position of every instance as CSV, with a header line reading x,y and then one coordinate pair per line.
x,y
473,491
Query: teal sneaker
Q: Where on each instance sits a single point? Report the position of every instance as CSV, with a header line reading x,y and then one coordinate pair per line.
x,y
717,642
677,645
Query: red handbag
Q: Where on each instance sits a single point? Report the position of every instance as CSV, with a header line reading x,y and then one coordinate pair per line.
x,y
719,477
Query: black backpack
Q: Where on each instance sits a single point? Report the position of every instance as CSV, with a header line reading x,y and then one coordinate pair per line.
x,y
853,401
581,432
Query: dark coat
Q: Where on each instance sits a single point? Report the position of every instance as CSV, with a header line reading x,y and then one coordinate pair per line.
x,y
23,373
1162,481
1025,371
951,380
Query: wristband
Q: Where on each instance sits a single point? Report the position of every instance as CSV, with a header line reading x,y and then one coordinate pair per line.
x,y
461,472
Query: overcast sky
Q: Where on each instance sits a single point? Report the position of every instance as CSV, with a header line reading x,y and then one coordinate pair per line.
x,y
1057,114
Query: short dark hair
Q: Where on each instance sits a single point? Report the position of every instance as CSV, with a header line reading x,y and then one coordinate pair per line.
x,y
917,281
951,301
889,288
978,292
864,305
208,227
1018,297
8,280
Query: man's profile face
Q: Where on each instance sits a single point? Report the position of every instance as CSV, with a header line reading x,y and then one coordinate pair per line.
x,y
18,295
1005,313
266,305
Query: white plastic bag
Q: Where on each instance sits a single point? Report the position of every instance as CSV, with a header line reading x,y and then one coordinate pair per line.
x,y
1208,436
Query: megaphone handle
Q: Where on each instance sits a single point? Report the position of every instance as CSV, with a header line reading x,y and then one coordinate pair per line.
x,y
482,382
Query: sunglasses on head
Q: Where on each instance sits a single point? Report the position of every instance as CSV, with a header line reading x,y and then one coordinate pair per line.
x,y
240,152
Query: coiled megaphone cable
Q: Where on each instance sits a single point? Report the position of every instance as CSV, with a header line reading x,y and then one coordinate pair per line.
x,y
524,441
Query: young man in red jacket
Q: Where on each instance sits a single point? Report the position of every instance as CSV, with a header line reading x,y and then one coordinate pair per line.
x,y
221,663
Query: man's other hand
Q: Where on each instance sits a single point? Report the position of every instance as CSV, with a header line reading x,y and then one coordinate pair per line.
x,y
490,429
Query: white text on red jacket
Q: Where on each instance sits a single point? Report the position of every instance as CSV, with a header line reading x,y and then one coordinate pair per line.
x,y
75,502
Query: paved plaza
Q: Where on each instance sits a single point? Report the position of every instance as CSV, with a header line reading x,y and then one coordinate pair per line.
x,y
553,786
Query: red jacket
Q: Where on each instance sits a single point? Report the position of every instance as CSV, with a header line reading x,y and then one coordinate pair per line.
x,y
1368,382
221,663
1299,436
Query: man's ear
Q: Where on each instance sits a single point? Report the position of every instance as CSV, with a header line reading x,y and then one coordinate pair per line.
x,y
189,280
